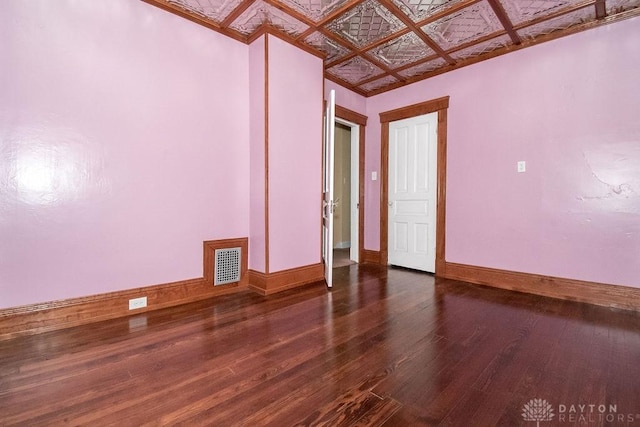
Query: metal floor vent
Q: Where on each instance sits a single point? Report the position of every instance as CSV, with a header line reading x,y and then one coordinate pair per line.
x,y
227,267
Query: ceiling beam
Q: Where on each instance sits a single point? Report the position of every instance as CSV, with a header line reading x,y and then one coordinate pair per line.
x,y
504,20
413,27
601,9
239,10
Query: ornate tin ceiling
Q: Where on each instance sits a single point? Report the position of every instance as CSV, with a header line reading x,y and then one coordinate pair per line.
x,y
373,46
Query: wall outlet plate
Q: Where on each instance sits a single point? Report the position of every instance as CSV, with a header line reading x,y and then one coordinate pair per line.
x,y
522,166
137,303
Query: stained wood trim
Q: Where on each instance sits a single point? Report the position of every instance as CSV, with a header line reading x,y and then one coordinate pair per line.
x,y
350,115
417,30
441,204
504,20
54,315
440,106
371,257
415,110
384,193
270,283
199,19
239,10
266,153
360,120
614,296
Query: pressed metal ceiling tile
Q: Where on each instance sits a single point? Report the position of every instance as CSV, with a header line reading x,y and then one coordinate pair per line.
x,y
484,47
463,26
216,10
617,6
520,11
262,13
355,70
425,67
419,10
314,9
377,84
403,50
331,48
563,22
366,23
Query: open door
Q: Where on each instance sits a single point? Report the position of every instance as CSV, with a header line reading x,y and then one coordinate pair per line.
x,y
328,203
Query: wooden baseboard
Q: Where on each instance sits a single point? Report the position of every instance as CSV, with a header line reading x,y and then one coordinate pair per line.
x,y
371,257
37,318
266,284
614,296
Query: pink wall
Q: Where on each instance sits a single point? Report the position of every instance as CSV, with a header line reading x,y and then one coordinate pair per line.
x,y
569,108
295,156
345,97
123,145
257,70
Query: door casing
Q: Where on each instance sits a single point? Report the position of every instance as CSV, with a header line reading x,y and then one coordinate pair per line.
x,y
440,106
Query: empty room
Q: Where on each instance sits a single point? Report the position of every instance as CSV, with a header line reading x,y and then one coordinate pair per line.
x,y
320,212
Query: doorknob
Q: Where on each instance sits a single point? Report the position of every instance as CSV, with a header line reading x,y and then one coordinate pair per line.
x,y
390,204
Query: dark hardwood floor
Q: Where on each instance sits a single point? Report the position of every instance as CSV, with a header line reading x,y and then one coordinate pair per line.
x,y
384,347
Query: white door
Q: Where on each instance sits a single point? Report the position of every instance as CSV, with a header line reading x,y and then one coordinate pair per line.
x,y
328,203
412,192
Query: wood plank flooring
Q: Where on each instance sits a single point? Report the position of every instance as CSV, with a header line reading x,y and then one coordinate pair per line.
x,y
383,348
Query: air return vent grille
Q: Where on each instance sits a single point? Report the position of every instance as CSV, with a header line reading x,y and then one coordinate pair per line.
x,y
227,267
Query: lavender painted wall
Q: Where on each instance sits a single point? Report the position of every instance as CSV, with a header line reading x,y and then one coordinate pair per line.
x,y
345,97
123,145
569,108
295,156
257,75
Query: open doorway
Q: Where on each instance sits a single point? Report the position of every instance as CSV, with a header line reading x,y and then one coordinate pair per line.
x,y
346,188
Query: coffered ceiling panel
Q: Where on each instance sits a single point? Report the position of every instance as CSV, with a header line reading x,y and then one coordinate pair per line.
x,y
215,10
314,9
261,13
419,10
365,24
371,46
354,70
402,50
466,25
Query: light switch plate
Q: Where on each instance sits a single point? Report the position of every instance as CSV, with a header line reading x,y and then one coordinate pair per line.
x,y
374,176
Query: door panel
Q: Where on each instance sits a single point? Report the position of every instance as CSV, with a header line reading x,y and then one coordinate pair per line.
x,y
328,203
412,192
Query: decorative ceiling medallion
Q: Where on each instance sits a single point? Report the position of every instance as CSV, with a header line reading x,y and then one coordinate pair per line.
x,y
262,13
563,22
617,6
354,70
481,48
377,84
520,11
333,49
366,23
423,68
419,10
216,10
314,9
401,51
460,27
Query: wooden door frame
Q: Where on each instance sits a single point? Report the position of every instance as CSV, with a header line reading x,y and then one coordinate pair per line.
x,y
440,106
361,121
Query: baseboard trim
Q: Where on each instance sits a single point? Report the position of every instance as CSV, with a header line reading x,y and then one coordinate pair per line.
x,y
37,318
371,257
614,296
271,283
